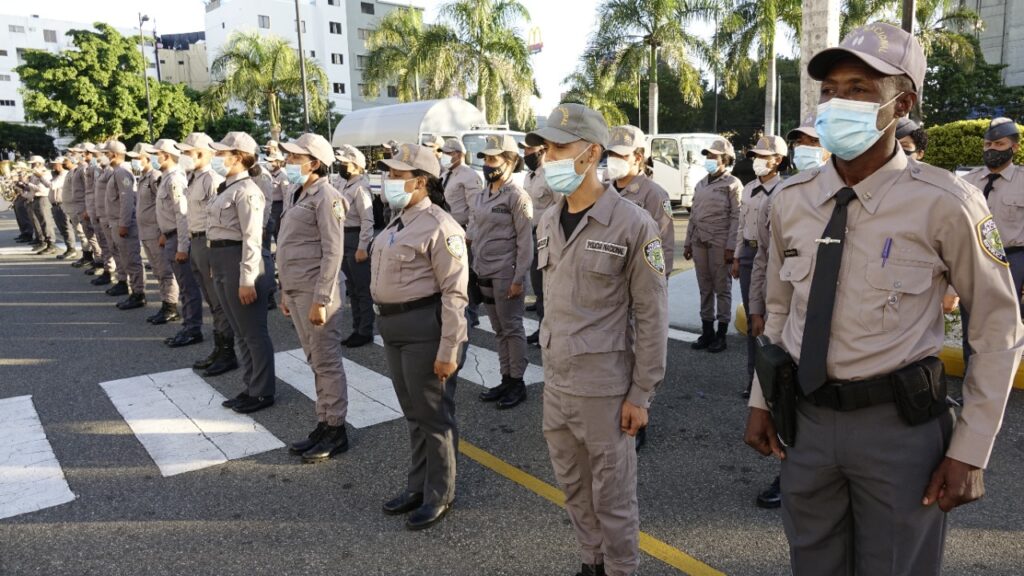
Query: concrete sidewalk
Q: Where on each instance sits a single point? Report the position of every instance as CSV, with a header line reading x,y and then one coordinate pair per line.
x,y
684,302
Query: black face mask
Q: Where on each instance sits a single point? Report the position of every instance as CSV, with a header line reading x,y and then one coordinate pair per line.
x,y
532,161
997,158
492,174
344,173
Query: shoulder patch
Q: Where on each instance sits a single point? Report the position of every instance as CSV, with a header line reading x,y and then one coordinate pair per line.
x,y
456,245
126,181
990,240
337,209
667,205
542,243
605,247
654,255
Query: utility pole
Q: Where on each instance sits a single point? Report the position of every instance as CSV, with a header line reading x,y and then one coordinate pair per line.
x,y
908,16
145,76
302,67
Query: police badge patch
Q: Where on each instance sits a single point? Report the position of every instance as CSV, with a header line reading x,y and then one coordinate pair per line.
x,y
127,181
990,240
655,256
668,207
338,210
456,246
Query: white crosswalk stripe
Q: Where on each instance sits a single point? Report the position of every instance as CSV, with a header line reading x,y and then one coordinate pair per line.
x,y
178,418
31,478
483,367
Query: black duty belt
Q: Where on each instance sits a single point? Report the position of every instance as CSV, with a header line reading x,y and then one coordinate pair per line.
x,y
750,244
846,396
353,229
392,309
198,235
224,243
1014,249
170,234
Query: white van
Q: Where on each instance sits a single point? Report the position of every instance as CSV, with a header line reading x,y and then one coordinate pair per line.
x,y
678,164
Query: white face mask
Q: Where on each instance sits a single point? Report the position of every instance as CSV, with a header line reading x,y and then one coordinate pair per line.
x,y
761,167
617,168
446,161
187,163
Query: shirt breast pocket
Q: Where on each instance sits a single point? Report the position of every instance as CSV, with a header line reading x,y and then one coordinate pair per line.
x,y
398,257
797,271
895,293
601,284
1013,207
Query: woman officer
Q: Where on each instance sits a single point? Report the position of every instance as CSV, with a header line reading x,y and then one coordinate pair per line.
x,y
309,254
418,280
243,286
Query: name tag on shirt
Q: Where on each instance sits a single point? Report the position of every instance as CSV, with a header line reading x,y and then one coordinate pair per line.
x,y
500,210
607,248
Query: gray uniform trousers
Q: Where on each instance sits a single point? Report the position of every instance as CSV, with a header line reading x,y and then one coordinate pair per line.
x,y
851,493
37,226
162,269
129,250
22,210
86,233
188,287
106,246
1016,260
746,258
44,215
256,350
507,320
114,245
713,281
67,230
595,463
357,281
322,345
200,258
411,340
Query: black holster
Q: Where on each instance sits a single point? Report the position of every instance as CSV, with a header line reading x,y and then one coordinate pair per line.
x,y
776,372
919,391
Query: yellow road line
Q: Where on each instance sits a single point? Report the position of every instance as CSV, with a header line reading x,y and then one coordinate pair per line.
x,y
672,556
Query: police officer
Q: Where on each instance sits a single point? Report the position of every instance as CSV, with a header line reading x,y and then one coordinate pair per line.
x,y
500,235
275,161
462,187
711,241
146,169
358,236
912,138
309,255
1002,184
60,189
419,277
604,287
202,188
124,230
543,198
103,172
235,236
91,215
175,243
856,274
75,206
39,186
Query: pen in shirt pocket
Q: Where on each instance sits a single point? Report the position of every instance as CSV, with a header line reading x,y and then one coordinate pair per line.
x,y
885,251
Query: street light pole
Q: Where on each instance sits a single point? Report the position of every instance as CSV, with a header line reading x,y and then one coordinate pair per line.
x,y
302,66
908,16
145,76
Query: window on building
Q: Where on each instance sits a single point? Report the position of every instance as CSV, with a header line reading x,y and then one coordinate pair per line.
x,y
362,61
180,62
221,25
364,90
303,27
7,103
334,2
364,33
312,53
50,36
264,21
163,62
21,55
339,87
367,7
16,29
3,52
5,77
337,58
335,27
392,91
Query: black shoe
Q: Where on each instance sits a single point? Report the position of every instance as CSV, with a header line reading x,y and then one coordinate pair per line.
x,y
531,307
707,336
403,503
271,302
102,280
641,438
184,338
168,313
426,516
231,403
137,300
94,268
85,259
591,570
119,289
345,341
23,239
495,394
357,340
533,338
68,254
226,360
771,497
310,441
514,396
254,404
719,344
333,441
209,360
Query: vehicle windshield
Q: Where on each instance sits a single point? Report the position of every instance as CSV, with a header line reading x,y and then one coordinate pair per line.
x,y
692,145
477,141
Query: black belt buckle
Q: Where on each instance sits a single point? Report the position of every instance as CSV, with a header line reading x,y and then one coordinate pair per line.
x,y
751,244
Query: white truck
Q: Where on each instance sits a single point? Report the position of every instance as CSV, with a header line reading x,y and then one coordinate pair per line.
x,y
678,164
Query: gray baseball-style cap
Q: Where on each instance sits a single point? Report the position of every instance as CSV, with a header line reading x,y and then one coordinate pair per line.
x,y
434,141
196,141
626,139
769,146
806,127
116,147
453,145
569,123
885,48
349,153
237,142
409,157
310,144
167,146
496,144
905,126
720,146
140,149
1001,128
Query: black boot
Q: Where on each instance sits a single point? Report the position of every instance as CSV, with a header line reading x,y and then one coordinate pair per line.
x,y
495,394
707,335
209,360
333,441
119,289
591,570
771,497
85,259
514,396
310,441
185,337
136,300
719,344
641,438
101,280
168,313
226,360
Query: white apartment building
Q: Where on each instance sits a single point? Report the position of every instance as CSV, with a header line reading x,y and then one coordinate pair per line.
x,y
334,34
20,33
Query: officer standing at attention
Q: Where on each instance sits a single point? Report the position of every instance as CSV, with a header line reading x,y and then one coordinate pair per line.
x,y
861,253
276,163
462,187
309,255
358,236
543,198
101,176
149,232
500,235
235,236
124,229
76,206
768,154
60,184
99,258
604,276
175,244
103,204
710,241
39,187
202,188
419,277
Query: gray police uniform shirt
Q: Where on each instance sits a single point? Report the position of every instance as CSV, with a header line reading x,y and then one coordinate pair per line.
x,y
501,233
145,205
462,187
714,215
750,209
78,181
359,212
310,244
121,197
650,196
172,207
1006,201
200,193
237,214
541,194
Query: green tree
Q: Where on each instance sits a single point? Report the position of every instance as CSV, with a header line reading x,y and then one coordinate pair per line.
x,y
398,53
947,25
960,143
955,92
258,71
856,13
96,90
25,140
292,120
596,84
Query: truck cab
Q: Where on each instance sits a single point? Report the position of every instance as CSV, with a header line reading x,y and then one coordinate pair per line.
x,y
678,164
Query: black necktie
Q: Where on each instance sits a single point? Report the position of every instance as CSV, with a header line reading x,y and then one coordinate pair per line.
x,y
446,177
295,196
821,302
190,178
991,184
221,187
757,191
398,222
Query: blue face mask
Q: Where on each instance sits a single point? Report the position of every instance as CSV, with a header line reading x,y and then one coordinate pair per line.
x,y
561,175
94,163
847,128
294,174
154,161
395,194
808,157
217,165
711,166
137,165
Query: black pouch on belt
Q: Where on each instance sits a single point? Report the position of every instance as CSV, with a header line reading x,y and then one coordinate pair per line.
x,y
776,372
919,391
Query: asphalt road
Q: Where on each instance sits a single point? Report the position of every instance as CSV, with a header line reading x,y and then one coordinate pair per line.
x,y
269,514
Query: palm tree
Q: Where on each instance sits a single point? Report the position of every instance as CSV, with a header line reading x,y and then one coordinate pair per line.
x,y
946,24
395,52
643,32
856,13
596,84
257,70
749,24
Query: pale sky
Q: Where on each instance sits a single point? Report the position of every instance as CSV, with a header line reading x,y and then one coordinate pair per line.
x,y
565,26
